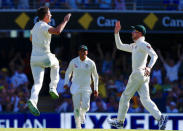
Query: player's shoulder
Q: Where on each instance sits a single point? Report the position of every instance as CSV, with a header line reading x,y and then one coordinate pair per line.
x,y
90,61
74,59
132,44
144,43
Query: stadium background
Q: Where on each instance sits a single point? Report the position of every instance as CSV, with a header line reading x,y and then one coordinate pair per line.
x,y
92,23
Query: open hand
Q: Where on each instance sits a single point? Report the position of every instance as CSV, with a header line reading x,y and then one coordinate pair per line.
x,y
67,17
117,27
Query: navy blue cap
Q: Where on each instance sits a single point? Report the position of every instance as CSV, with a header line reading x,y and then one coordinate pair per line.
x,y
139,28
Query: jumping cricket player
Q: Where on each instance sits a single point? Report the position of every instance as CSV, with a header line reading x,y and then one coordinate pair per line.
x,y
41,56
81,68
139,78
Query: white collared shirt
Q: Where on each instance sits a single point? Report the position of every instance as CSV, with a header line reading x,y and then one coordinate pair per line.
x,y
140,51
81,74
41,38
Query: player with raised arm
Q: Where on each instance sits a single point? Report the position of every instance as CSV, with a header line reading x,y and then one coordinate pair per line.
x,y
41,57
140,76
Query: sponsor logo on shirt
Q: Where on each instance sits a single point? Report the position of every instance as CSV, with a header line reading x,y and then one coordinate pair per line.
x,y
75,66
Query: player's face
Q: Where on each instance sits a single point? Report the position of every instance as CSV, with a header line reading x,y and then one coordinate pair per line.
x,y
135,34
48,16
83,53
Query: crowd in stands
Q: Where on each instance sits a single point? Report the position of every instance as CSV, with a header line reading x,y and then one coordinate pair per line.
x,y
94,4
166,85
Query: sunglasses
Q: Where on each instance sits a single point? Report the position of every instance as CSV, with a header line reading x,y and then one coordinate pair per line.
x,y
135,31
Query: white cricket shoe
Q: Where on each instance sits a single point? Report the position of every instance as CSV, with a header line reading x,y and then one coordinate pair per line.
x,y
116,123
162,122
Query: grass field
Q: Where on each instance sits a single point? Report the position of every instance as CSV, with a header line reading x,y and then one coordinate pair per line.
x,y
56,129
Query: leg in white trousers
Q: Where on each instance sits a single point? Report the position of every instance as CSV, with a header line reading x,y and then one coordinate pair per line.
x,y
76,98
37,66
85,105
137,83
81,103
38,75
147,102
54,74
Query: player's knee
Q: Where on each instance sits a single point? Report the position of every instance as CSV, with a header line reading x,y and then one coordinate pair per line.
x,y
76,111
86,107
145,99
125,97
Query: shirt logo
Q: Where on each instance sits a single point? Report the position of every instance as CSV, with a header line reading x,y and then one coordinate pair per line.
x,y
148,47
86,65
75,66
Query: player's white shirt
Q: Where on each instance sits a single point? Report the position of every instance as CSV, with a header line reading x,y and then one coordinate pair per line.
x,y
41,38
172,72
140,51
81,75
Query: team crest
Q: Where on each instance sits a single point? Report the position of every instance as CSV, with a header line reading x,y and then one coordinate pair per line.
x,y
86,65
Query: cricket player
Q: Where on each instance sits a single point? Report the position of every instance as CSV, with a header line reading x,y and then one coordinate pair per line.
x,y
41,56
81,68
139,78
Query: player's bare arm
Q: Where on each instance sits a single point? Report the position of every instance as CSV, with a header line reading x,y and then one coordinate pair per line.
x,y
61,26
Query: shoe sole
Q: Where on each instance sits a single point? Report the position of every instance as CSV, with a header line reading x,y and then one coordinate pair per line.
x,y
53,95
164,123
32,109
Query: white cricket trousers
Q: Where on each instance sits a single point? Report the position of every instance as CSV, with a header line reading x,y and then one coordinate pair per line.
x,y
81,102
38,65
137,82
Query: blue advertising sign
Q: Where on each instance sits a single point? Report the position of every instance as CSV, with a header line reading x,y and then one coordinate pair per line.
x,y
133,121
29,121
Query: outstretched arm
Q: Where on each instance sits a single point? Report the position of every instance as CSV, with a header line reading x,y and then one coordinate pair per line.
x,y
95,79
60,27
119,44
68,74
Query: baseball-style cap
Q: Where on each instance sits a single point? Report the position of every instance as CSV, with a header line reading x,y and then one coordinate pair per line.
x,y
83,47
139,28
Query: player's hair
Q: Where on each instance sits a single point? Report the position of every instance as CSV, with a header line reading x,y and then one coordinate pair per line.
x,y
42,11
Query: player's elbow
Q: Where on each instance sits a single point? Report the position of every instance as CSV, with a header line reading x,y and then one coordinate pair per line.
x,y
118,47
156,56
